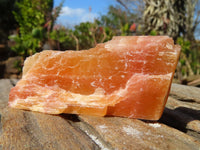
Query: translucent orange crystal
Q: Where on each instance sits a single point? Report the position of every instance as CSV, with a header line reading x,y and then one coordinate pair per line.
x,y
129,76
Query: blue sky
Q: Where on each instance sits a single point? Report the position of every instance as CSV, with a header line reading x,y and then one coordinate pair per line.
x,y
76,11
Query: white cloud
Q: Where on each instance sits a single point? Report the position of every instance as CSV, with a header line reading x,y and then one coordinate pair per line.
x,y
88,17
70,17
66,11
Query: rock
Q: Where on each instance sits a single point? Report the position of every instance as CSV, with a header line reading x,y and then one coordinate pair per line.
x,y
10,68
5,86
185,93
135,134
129,76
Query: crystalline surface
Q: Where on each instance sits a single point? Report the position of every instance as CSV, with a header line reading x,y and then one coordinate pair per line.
x,y
127,76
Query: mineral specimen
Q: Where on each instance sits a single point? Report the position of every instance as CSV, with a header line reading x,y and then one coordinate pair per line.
x,y
129,76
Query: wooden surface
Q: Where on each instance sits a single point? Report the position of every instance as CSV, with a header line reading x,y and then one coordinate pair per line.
x,y
179,127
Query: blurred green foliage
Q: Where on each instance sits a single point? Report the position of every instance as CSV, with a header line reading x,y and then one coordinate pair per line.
x,y
18,65
85,33
189,57
118,20
153,33
60,38
83,36
35,19
37,28
31,18
185,45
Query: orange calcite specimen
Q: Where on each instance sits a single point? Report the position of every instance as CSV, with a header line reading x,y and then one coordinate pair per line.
x,y
128,76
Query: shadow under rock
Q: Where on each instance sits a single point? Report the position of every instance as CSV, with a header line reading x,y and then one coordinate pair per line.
x,y
70,117
2,69
179,118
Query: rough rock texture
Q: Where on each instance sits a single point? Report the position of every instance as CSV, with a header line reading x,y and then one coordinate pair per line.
x,y
127,76
186,93
21,129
